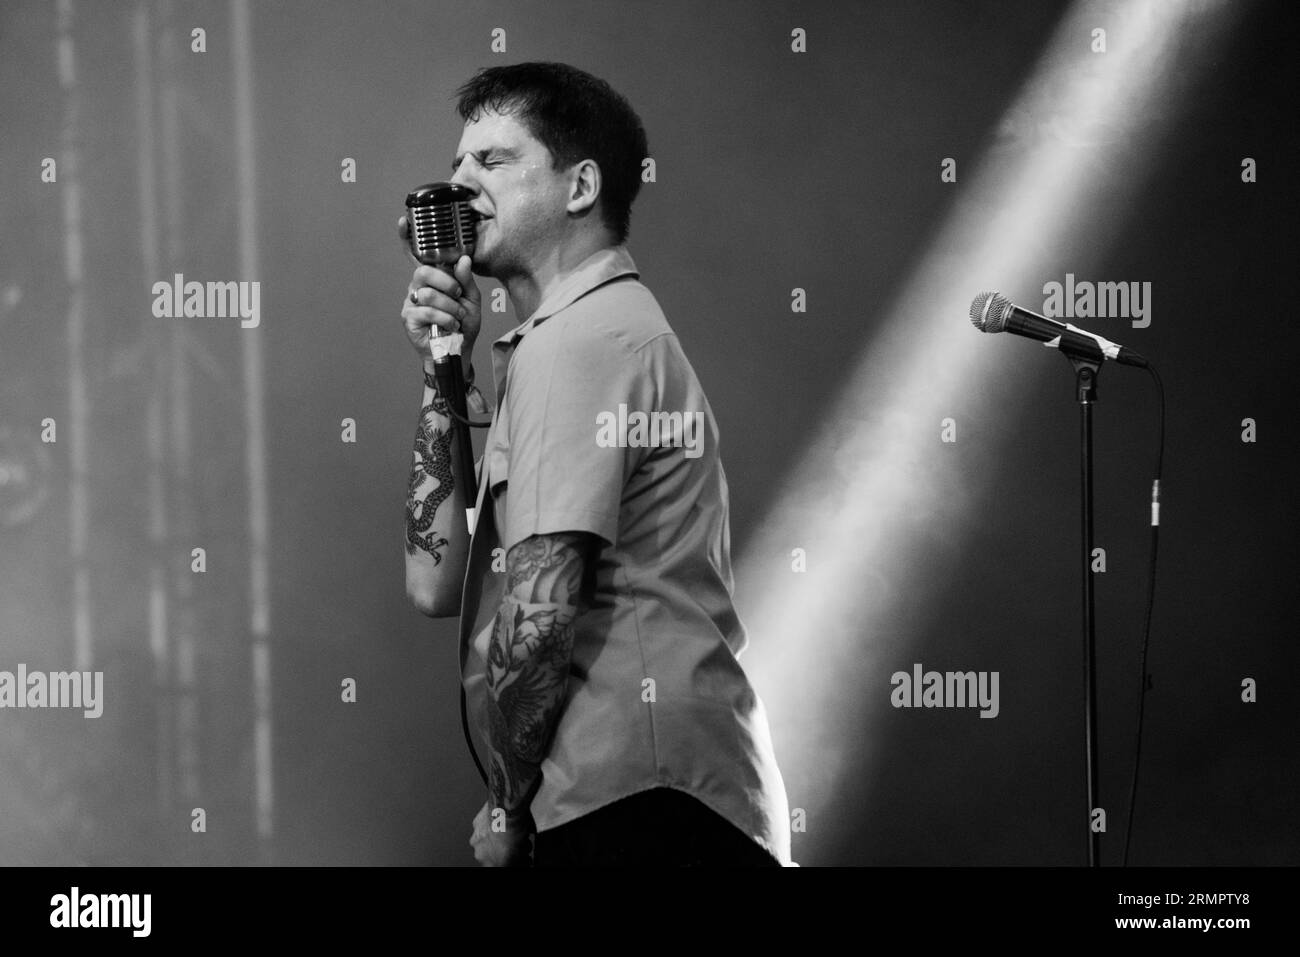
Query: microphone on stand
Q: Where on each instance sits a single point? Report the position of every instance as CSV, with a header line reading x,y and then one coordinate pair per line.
x,y
994,312
441,226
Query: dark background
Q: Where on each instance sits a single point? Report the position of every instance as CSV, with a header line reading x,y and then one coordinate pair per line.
x,y
773,170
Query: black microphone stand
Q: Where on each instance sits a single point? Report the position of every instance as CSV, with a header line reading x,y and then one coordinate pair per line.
x,y
450,376
1086,369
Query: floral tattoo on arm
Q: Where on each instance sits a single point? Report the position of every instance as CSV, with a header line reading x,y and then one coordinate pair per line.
x,y
528,660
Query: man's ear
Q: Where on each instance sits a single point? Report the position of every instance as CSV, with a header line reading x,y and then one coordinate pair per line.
x,y
585,191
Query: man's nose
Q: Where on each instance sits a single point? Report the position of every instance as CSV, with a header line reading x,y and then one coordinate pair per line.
x,y
464,177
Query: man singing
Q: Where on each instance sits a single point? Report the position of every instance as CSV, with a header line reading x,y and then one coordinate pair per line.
x,y
601,666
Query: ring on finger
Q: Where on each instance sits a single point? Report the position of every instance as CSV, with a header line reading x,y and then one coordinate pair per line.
x,y
414,298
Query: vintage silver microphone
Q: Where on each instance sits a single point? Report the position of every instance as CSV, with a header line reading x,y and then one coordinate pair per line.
x,y
442,227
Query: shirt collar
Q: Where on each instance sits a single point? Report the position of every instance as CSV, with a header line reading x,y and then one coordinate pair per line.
x,y
596,270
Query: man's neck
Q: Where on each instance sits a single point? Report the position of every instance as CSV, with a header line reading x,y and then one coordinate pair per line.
x,y
527,292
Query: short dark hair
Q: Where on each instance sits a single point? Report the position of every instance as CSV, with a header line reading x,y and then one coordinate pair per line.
x,y
574,115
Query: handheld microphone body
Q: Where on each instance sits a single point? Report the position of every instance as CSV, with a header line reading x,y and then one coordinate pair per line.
x,y
442,227
993,312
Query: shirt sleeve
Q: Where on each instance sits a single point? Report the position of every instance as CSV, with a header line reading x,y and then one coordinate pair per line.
x,y
565,387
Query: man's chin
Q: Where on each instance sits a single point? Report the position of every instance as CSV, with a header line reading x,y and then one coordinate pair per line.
x,y
480,263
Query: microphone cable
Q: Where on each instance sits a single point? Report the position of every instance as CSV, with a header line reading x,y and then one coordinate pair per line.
x,y
469,741
450,380
1146,626
468,422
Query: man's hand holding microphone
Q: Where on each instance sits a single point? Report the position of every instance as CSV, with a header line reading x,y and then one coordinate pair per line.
x,y
437,298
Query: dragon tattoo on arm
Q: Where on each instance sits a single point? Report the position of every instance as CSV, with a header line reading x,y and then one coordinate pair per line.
x,y
432,462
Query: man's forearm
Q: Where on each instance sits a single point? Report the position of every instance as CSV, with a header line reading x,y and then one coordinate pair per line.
x,y
437,538
528,663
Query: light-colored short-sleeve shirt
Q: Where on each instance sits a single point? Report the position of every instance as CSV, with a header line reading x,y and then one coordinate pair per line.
x,y
602,427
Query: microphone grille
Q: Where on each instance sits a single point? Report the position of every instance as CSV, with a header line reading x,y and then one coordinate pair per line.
x,y
989,312
442,223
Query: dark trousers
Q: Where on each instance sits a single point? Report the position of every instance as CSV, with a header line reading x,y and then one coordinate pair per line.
x,y
661,827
